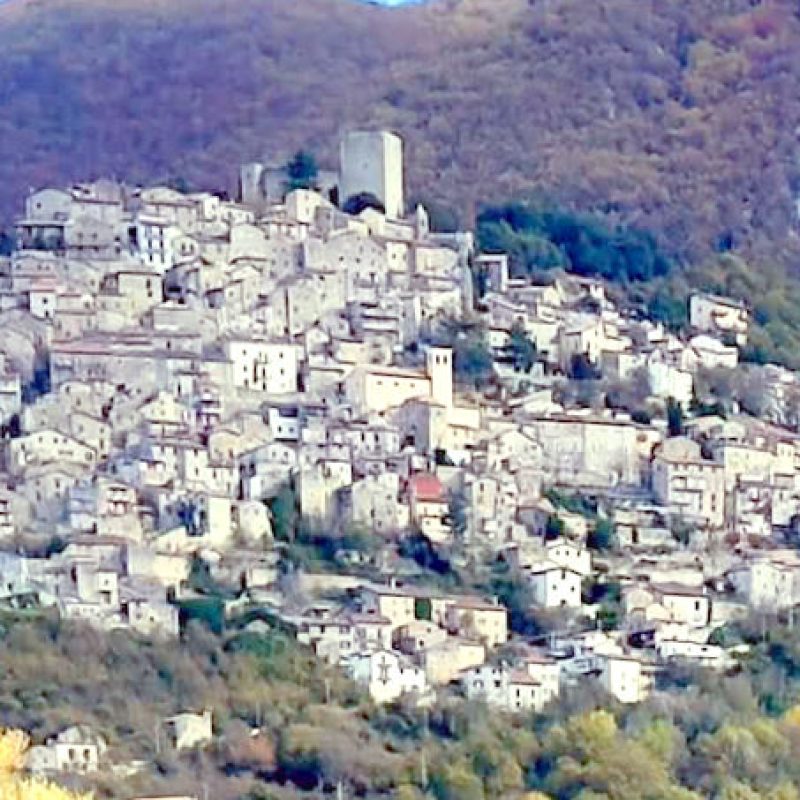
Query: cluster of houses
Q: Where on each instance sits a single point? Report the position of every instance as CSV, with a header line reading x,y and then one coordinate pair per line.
x,y
172,362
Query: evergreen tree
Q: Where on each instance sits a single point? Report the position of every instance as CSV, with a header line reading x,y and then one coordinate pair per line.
x,y
302,171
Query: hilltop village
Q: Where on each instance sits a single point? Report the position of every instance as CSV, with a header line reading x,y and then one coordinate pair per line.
x,y
310,406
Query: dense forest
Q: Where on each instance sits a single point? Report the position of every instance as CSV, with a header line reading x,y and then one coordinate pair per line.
x,y
678,117
287,728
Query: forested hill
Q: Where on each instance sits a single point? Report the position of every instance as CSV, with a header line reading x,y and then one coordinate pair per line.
x,y
682,116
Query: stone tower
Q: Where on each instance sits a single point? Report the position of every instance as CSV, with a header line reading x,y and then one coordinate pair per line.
x,y
372,161
251,190
439,368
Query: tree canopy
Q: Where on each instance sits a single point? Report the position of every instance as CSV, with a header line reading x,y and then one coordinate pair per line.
x,y
302,171
360,202
473,363
539,239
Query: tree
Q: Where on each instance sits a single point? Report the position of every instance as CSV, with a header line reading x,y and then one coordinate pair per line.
x,y
581,368
419,549
39,383
179,184
457,782
674,417
748,388
357,203
187,513
11,429
630,394
285,517
554,527
456,517
208,611
7,243
601,537
302,171
681,530
521,348
310,755
665,307
593,759
542,238
480,279
441,458
472,358
733,753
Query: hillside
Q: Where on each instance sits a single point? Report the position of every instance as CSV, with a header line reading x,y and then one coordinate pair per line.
x,y
285,728
677,116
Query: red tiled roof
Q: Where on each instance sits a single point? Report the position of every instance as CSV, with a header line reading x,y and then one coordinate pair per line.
x,y
425,486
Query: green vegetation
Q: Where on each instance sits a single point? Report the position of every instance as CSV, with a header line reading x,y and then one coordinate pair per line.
x,y
285,513
772,293
443,217
705,736
674,418
317,550
473,363
682,531
554,527
608,597
775,300
302,171
457,513
521,349
360,202
7,243
582,369
437,568
307,545
208,611
575,502
602,536
513,590
540,239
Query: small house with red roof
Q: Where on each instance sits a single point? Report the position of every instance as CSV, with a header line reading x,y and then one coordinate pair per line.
x,y
427,501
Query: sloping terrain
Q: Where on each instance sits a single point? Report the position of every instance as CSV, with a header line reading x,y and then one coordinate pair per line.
x,y
681,116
